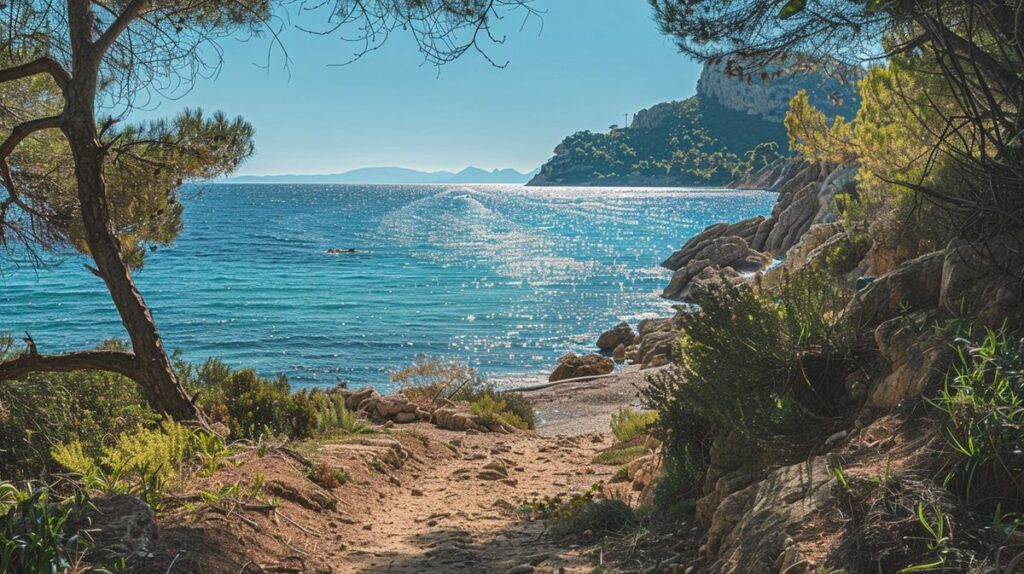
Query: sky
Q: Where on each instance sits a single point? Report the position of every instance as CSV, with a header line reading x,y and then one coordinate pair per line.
x,y
583,65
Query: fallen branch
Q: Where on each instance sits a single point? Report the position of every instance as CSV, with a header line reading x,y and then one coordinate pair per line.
x,y
562,382
120,362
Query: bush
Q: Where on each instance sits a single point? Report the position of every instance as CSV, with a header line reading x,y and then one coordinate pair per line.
x,y
983,407
331,413
491,409
586,512
766,366
251,406
144,462
628,424
42,410
427,380
32,531
619,456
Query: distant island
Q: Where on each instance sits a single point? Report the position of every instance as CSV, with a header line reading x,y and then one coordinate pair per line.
x,y
384,175
729,128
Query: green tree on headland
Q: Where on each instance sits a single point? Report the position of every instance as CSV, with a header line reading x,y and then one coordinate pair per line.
x,y
74,172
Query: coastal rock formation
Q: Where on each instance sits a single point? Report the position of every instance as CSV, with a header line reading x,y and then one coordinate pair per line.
x,y
571,366
768,95
732,250
621,334
396,408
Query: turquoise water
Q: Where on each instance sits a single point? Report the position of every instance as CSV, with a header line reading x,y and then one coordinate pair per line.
x,y
503,278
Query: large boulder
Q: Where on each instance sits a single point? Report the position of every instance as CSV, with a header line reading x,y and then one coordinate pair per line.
x,y
722,243
913,286
621,334
915,359
571,366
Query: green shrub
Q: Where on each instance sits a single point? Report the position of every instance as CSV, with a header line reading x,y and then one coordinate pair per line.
x,y
982,403
32,531
331,413
144,461
765,366
589,512
42,410
251,406
846,255
628,424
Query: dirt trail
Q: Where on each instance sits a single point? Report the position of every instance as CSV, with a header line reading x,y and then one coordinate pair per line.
x,y
413,499
459,515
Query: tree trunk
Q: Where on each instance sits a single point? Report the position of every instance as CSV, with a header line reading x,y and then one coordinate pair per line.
x,y
155,376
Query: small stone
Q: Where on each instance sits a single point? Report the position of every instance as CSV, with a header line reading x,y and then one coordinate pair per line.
x,y
521,569
416,492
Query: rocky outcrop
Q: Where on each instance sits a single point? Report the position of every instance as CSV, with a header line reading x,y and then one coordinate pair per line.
x,y
730,250
396,407
913,286
768,95
915,360
621,334
571,366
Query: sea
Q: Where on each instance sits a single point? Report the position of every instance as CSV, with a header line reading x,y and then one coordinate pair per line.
x,y
348,283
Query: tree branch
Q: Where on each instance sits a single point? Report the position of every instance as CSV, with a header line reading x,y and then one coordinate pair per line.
x,y
22,131
120,362
120,24
38,66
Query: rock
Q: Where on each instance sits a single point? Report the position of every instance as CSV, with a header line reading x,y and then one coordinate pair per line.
x,y
354,402
621,334
521,569
752,525
914,285
119,526
571,366
657,348
809,252
451,418
405,418
618,355
416,492
915,362
497,465
717,252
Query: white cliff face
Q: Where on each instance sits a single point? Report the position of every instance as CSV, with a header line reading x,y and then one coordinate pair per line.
x,y
770,98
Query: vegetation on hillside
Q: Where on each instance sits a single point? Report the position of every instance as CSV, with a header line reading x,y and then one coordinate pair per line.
x,y
700,142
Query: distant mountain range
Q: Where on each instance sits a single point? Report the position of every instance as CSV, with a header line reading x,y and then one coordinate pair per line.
x,y
393,175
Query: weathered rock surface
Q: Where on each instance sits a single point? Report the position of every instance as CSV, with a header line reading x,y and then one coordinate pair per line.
x,y
915,360
913,286
119,526
621,334
571,366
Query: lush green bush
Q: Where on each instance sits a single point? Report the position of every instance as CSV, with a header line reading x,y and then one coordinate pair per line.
x,y
32,531
766,365
147,462
251,406
983,407
628,424
43,410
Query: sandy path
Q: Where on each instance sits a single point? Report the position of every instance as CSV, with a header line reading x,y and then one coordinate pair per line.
x,y
457,517
454,516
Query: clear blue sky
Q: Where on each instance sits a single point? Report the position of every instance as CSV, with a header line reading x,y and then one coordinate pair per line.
x,y
593,61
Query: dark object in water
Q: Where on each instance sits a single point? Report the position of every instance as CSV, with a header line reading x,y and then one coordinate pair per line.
x,y
863,281
337,251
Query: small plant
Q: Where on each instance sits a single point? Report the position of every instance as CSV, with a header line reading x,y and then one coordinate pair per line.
x,y
619,456
589,512
144,462
628,424
327,476
427,380
32,531
493,410
982,403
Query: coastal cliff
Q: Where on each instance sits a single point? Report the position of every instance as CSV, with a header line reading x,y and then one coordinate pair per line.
x,y
732,126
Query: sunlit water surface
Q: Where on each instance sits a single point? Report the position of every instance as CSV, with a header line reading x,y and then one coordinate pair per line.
x,y
503,278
